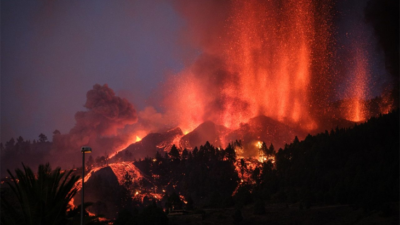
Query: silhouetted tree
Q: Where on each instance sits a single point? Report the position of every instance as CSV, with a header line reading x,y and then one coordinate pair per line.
x,y
41,199
174,153
42,138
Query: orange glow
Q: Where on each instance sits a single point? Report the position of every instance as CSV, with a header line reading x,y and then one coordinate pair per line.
x,y
266,55
119,170
138,139
356,110
259,144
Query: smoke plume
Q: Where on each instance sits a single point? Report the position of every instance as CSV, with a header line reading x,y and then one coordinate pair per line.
x,y
98,126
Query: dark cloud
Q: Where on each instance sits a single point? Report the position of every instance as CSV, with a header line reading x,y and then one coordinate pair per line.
x,y
99,125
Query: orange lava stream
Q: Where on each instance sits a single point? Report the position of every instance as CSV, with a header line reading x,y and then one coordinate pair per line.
x,y
131,141
119,170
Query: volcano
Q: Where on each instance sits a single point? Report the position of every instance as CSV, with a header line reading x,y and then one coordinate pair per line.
x,y
260,128
207,131
263,128
149,145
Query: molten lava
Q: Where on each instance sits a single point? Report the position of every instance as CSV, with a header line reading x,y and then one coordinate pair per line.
x,y
261,64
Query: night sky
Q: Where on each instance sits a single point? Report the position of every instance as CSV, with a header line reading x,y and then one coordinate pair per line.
x,y
53,52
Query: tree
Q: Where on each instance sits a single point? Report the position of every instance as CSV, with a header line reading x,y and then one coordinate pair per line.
x,y
56,132
271,150
56,135
230,153
185,153
42,138
264,148
174,153
20,140
40,200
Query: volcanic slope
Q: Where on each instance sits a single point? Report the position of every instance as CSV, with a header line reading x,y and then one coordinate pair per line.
x,y
263,128
260,128
207,131
149,145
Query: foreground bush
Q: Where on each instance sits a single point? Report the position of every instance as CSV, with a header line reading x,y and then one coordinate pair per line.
x,y
41,199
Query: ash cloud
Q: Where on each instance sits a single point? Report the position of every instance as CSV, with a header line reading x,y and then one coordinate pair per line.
x,y
100,126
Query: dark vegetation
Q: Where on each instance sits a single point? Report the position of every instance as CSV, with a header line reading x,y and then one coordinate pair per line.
x,y
358,167
206,175
39,199
29,152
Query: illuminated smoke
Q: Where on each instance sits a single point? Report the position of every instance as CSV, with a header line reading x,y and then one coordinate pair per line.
x,y
99,125
257,58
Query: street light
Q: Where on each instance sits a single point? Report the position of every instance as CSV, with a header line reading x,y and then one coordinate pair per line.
x,y
84,149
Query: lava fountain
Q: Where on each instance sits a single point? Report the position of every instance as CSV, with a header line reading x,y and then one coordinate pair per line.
x,y
356,110
260,63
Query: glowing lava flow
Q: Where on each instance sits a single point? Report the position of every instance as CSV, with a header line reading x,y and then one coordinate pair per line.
x,y
133,140
138,139
119,170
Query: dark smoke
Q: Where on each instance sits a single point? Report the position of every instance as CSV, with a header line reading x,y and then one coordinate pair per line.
x,y
383,16
99,126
